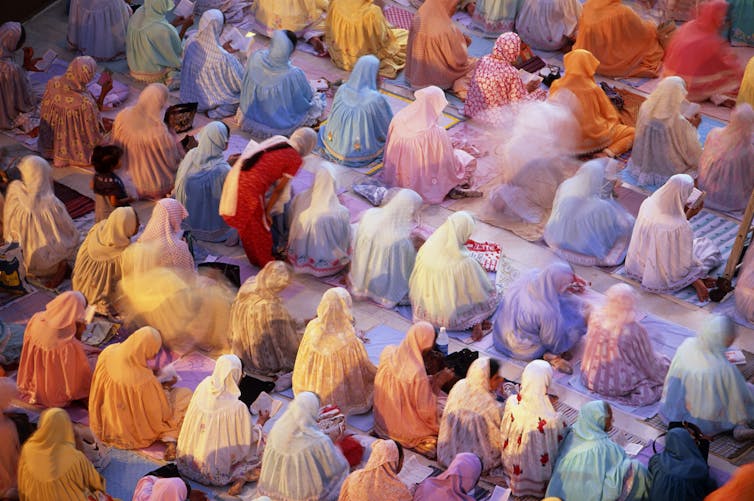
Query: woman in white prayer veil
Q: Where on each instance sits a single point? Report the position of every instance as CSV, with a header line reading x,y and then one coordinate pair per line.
x,y
726,170
319,241
300,462
384,254
666,143
536,157
448,287
332,362
471,419
664,255
587,226
548,24
218,443
263,333
35,218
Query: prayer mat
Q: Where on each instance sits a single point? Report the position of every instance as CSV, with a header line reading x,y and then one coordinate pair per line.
x,y
721,231
747,369
398,17
20,309
630,199
728,307
722,445
76,204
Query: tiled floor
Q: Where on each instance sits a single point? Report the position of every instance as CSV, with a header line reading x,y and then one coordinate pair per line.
x,y
48,30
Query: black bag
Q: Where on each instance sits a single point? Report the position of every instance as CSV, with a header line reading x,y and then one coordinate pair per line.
x,y
24,427
180,117
460,361
251,387
232,272
169,470
613,95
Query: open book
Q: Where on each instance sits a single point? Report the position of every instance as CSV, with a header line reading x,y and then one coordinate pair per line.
x,y
265,402
238,40
695,199
47,59
413,472
689,110
184,9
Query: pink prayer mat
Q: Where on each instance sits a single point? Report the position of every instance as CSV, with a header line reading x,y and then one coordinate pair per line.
x,y
398,17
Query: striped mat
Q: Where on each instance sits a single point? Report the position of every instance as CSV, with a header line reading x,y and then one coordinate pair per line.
x,y
722,445
398,17
76,204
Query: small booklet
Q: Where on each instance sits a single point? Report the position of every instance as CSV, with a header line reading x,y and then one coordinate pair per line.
x,y
633,449
689,110
168,373
265,402
238,40
184,9
47,59
736,357
527,77
413,472
695,199
500,494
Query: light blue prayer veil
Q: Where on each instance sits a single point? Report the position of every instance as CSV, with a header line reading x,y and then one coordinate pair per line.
x,y
583,222
702,386
199,183
590,466
152,43
356,129
536,315
276,96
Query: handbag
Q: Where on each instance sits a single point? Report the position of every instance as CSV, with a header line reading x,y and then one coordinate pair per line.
x,y
613,95
13,270
702,440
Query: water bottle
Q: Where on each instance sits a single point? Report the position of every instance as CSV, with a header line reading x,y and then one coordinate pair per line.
x,y
442,342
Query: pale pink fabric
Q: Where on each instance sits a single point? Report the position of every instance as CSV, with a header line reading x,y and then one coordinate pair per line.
x,y
164,232
699,55
405,407
10,448
54,369
619,361
496,83
436,53
726,168
151,151
152,488
455,484
419,153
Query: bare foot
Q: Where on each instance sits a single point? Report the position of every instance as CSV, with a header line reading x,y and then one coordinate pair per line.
x,y
235,489
486,325
477,333
170,451
701,290
316,42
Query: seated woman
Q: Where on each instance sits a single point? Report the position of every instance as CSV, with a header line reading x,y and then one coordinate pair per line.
x,y
680,472
437,49
331,361
234,11
51,468
151,488
99,262
272,162
590,466
619,361
455,483
495,16
161,243
587,226
305,18
698,54
548,24
355,28
70,125
704,388
153,45
725,171
218,444
666,142
444,264
495,83
97,28
16,94
624,43
199,184
600,127
663,254
10,446
531,431
379,477
128,406
471,419
210,75
276,97
740,485
356,129
419,153
151,151
54,370
295,445
542,316
263,333
319,242
408,403
34,217
384,254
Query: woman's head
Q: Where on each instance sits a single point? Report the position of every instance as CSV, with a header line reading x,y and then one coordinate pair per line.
x,y
507,47
107,158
